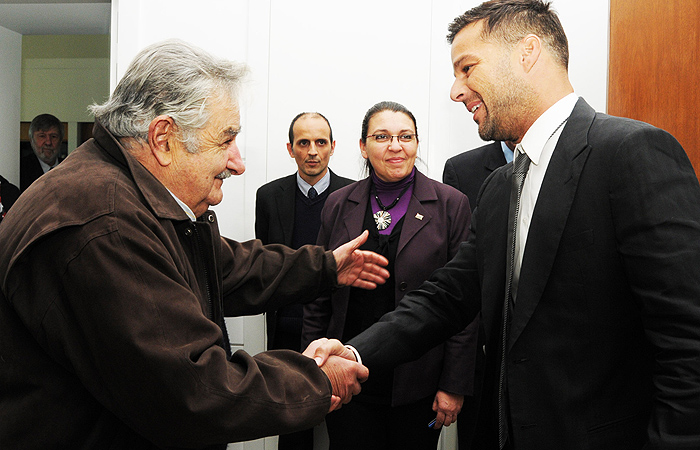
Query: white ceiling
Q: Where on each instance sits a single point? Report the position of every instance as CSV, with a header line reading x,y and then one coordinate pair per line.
x,y
56,17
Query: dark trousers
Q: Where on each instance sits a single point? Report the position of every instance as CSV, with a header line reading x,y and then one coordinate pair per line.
x,y
368,426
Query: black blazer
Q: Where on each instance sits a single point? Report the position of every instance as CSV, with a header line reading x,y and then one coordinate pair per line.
x,y
29,170
8,194
468,170
604,345
274,218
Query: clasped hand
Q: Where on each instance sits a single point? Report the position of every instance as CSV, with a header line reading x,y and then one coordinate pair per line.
x,y
339,365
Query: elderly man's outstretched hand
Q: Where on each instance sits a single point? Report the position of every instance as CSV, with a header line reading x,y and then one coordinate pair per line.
x,y
360,268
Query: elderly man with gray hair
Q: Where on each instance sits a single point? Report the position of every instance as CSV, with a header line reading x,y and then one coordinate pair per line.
x,y
45,137
114,290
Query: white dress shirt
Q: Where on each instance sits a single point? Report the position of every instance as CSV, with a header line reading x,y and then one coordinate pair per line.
x,y
538,143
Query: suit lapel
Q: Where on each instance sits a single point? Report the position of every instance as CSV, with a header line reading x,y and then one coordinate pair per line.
x,y
550,214
416,216
355,216
285,207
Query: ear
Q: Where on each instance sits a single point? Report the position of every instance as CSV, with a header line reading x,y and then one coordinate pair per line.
x,y
160,132
332,148
363,150
290,149
530,49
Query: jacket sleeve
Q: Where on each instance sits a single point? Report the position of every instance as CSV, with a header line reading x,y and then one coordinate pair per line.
x,y
116,312
259,278
457,374
656,208
442,306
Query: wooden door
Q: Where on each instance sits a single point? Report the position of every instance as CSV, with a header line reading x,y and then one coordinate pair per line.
x,y
654,70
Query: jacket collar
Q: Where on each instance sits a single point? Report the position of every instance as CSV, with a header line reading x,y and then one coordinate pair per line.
x,y
423,191
155,193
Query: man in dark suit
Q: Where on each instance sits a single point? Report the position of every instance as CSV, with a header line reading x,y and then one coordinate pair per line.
x,y
602,337
467,171
45,137
288,211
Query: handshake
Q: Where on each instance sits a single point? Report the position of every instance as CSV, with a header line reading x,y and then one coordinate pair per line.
x,y
339,365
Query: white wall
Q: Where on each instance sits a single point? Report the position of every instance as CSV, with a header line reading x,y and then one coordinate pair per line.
x,y
10,80
338,58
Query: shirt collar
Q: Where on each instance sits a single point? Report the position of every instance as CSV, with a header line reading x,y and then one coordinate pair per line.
x,y
45,167
184,207
320,186
544,127
507,152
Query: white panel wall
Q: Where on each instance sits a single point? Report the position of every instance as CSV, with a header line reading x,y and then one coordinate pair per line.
x,y
10,80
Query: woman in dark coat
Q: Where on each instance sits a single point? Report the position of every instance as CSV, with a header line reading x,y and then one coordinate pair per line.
x,y
418,224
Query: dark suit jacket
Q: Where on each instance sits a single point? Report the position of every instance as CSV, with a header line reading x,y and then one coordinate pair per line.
x,y
274,218
604,344
29,171
468,170
8,194
426,243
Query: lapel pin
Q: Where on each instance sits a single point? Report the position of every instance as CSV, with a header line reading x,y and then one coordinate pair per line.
x,y
419,216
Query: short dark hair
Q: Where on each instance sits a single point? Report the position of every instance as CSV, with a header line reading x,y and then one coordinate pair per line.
x,y
511,20
385,106
312,114
44,122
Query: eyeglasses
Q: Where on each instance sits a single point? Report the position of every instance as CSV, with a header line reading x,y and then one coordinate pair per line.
x,y
405,138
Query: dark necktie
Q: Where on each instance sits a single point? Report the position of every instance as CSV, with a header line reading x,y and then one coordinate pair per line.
x,y
521,164
312,193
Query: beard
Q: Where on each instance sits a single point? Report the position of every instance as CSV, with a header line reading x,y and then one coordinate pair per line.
x,y
510,105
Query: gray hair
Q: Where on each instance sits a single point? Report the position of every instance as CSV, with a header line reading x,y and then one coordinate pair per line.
x,y
170,78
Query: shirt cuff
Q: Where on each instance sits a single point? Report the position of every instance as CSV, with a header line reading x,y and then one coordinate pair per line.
x,y
358,358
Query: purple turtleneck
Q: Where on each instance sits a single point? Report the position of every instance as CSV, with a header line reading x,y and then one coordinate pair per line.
x,y
387,192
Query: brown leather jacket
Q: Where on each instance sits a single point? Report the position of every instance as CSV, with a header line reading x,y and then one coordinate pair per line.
x,y
111,317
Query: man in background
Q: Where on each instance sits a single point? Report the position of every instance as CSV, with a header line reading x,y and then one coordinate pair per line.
x,y
467,171
288,211
45,137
